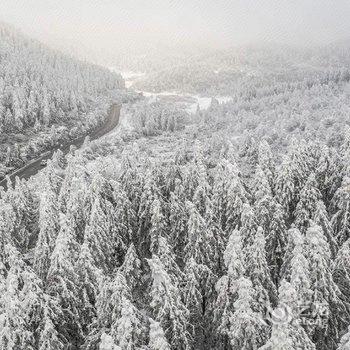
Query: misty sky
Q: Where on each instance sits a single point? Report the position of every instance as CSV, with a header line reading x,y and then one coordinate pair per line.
x,y
109,24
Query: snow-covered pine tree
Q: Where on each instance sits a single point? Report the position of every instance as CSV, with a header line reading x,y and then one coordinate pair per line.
x,y
16,330
325,173
157,339
89,280
23,303
237,196
219,196
344,343
167,306
202,191
123,218
297,272
48,230
198,245
341,269
249,225
62,283
292,175
149,193
259,273
158,226
308,199
226,288
49,338
127,330
266,161
25,206
99,236
287,332
198,274
194,173
247,327
276,241
116,312
263,200
320,218
75,169
178,218
341,218
131,267
285,187
328,307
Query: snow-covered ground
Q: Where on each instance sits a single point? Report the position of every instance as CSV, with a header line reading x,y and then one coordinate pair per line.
x,y
190,101
128,76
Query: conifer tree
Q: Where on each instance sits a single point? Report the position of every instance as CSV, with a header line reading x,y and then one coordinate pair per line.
x,y
249,225
23,303
344,342
115,310
178,218
167,306
341,269
48,230
219,197
258,270
276,241
300,271
285,185
341,219
98,234
124,219
157,340
19,303
247,330
236,198
127,328
89,280
62,283
287,332
326,294
49,338
263,201
266,162
149,193
25,208
321,219
158,226
307,205
198,274
226,287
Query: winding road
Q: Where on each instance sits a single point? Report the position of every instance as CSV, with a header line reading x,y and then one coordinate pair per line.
x,y
35,166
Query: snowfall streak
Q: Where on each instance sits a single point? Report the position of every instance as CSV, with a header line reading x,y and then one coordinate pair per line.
x,y
34,167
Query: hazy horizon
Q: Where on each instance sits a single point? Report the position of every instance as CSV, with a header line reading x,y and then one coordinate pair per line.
x,y
104,27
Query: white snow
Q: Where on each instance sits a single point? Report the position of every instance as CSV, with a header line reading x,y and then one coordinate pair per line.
x,y
128,76
107,343
202,101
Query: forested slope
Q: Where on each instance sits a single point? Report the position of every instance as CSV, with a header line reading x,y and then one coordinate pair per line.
x,y
227,229
46,97
228,72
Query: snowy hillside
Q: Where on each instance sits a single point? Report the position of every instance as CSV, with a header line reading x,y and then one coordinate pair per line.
x,y
227,72
227,228
44,95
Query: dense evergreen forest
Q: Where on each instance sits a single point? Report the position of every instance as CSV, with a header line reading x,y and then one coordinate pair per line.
x,y
187,254
46,98
225,229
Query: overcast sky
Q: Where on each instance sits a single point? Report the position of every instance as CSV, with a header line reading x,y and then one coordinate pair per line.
x,y
108,24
